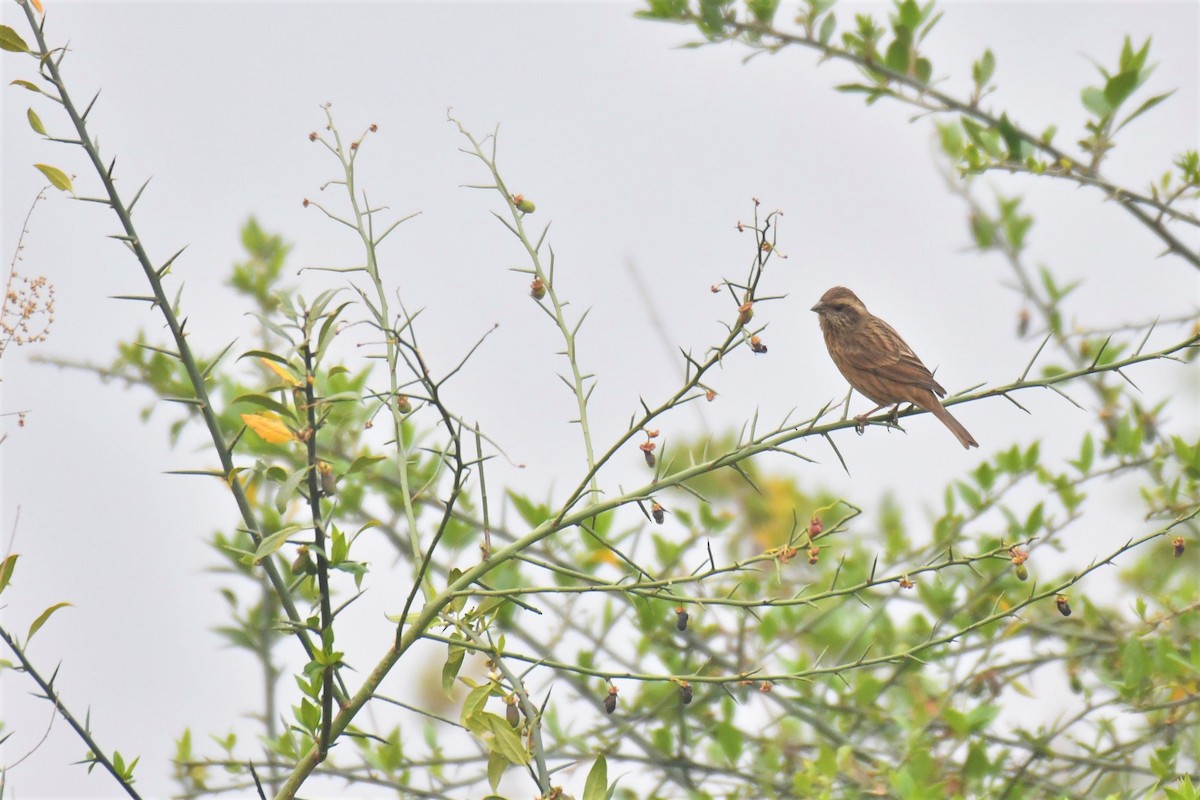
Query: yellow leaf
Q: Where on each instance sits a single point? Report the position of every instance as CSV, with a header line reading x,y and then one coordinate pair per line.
x,y
281,371
57,177
269,427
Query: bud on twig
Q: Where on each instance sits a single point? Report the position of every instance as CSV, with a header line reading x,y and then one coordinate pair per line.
x,y
511,714
1019,557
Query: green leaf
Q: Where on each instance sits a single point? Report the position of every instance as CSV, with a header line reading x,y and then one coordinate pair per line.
x,y
1012,138
730,740
1144,107
596,787
533,513
1035,520
58,179
6,570
474,704
505,740
454,662
33,87
983,230
362,462
289,489
35,122
970,496
763,10
496,765
896,57
11,41
980,718
1087,453
1118,88
924,69
41,620
909,16
1135,664
951,139
274,541
982,69
1095,101
827,28
263,401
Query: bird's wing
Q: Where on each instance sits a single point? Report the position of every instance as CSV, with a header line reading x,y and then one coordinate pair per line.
x,y
878,349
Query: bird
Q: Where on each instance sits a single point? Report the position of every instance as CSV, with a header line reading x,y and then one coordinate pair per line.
x,y
878,363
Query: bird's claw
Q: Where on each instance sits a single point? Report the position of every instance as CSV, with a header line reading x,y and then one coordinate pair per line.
x,y
860,424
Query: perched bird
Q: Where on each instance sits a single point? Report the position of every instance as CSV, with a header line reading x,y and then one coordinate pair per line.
x,y
878,363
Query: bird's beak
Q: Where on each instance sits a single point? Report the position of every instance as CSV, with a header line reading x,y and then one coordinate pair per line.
x,y
819,307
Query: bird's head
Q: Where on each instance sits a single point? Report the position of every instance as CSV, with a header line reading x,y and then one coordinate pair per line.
x,y
839,308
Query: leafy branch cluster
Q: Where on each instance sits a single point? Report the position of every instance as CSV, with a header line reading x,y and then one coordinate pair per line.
x,y
716,630
894,64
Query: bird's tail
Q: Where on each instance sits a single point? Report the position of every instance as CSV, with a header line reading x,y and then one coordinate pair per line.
x,y
964,436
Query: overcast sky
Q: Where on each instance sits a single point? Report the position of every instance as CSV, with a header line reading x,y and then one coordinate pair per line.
x,y
640,153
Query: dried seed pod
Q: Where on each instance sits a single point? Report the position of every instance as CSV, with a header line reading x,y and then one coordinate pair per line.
x,y
681,618
815,527
757,346
610,702
685,692
1022,323
1178,543
657,512
1064,607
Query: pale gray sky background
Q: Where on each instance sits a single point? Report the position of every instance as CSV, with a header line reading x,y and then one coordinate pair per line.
x,y
637,151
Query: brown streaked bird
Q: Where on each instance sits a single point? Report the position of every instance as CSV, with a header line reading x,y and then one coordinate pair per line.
x,y
878,363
